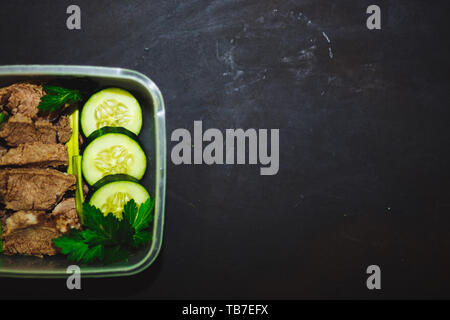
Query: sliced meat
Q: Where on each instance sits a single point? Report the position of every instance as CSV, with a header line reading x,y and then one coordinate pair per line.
x,y
22,98
4,96
21,129
33,189
21,220
36,155
64,129
66,216
85,188
5,93
3,150
32,241
2,217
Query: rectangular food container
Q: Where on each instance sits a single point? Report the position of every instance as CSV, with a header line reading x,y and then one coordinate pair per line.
x,y
153,140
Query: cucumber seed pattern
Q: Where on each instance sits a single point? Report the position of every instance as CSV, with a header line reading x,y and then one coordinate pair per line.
x,y
114,160
115,204
112,113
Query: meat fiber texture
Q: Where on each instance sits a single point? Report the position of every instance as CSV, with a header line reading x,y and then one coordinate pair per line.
x,y
35,197
66,216
22,98
27,123
31,232
34,189
22,129
36,154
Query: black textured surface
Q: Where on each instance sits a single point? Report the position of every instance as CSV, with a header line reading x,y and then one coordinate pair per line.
x,y
364,141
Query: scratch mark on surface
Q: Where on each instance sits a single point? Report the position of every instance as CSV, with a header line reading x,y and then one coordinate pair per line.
x,y
351,238
330,52
182,200
326,37
263,39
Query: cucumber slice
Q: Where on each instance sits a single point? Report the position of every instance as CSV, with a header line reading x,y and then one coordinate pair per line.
x,y
111,107
113,196
113,153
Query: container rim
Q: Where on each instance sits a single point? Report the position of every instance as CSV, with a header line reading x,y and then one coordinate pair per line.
x,y
160,162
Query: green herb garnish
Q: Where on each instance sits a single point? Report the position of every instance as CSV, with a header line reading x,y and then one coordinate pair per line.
x,y
106,238
2,117
58,97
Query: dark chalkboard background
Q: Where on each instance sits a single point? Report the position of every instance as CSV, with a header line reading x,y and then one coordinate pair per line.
x,y
364,141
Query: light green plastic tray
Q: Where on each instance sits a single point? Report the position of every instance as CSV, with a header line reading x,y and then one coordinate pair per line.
x,y
153,140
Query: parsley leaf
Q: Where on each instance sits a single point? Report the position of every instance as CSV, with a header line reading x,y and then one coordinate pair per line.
x,y
58,97
2,117
94,253
115,254
106,238
93,217
139,219
141,237
72,245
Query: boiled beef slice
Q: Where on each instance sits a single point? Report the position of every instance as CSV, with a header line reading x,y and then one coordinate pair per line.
x,y
36,155
33,189
3,150
32,241
22,98
64,129
66,216
2,216
32,232
20,129
21,220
